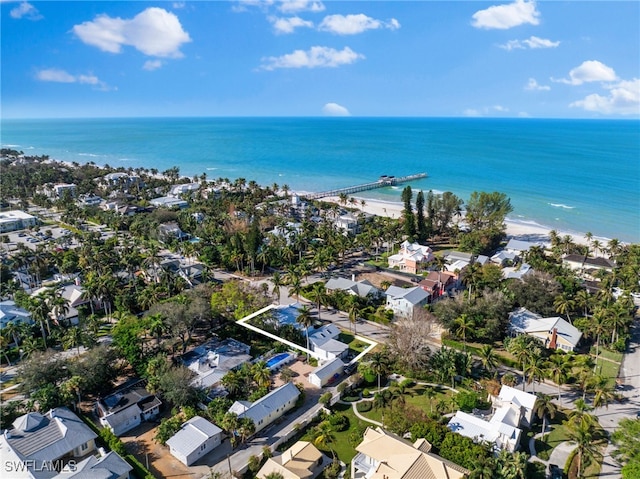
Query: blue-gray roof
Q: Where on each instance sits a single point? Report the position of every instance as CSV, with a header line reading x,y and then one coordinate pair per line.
x,y
193,434
271,402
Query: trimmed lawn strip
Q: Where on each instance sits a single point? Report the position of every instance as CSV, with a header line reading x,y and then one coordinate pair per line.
x,y
609,370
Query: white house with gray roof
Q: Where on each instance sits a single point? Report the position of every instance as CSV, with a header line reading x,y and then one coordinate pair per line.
x,y
324,373
214,359
127,408
358,288
196,438
268,408
323,342
40,446
553,332
404,302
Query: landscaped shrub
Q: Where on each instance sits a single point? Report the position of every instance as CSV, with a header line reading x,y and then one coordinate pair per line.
x,y
366,393
364,406
340,422
407,383
325,399
467,400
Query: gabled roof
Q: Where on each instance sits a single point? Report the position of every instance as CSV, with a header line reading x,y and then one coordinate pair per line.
x,y
298,462
328,369
331,346
361,288
48,437
109,466
414,295
193,434
132,394
9,311
522,398
524,321
273,401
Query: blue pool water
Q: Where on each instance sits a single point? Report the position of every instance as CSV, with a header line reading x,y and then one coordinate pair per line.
x,y
287,315
277,359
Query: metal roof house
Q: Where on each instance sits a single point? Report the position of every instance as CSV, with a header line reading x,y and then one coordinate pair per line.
x,y
404,301
554,332
268,408
324,373
127,407
196,438
55,445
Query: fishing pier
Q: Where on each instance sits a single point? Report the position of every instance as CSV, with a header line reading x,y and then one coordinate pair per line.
x,y
380,183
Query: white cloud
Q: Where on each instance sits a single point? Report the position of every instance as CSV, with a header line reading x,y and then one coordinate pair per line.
x,y
589,71
532,42
487,110
315,57
151,65
57,75
288,25
533,85
154,32
178,5
294,6
25,10
354,24
623,99
333,109
507,16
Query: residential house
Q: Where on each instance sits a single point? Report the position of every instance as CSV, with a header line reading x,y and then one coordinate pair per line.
x,y
89,200
301,461
269,407
16,220
327,372
196,438
512,409
383,455
412,257
108,466
438,283
553,332
457,260
11,313
287,231
75,297
347,223
350,286
504,258
169,202
517,272
588,266
520,247
184,188
121,179
212,360
60,189
406,302
127,407
323,342
170,231
56,445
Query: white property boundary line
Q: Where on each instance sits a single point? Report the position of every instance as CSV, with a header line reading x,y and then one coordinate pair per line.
x,y
243,322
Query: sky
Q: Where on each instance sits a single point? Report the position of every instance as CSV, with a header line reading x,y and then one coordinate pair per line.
x,y
522,58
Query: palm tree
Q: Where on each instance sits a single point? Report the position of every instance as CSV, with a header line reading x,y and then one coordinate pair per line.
x,y
544,407
580,415
305,320
597,327
246,429
430,393
583,300
535,369
73,338
488,358
464,323
484,469
558,370
603,393
319,294
261,374
563,304
582,435
324,435
353,310
276,280
4,346
156,324
379,365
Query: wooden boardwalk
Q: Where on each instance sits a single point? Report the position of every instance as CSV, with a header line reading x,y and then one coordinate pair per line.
x,y
380,183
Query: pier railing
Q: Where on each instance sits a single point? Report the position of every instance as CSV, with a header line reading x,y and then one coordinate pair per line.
x,y
380,183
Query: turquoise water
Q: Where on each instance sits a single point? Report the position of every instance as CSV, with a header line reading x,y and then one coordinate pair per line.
x,y
277,359
571,175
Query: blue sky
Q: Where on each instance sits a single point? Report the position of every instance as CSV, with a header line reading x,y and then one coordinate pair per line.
x,y
545,59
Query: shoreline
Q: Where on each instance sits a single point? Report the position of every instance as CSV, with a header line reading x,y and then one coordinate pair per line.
x,y
521,230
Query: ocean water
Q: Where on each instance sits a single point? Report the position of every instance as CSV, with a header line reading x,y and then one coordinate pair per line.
x,y
571,175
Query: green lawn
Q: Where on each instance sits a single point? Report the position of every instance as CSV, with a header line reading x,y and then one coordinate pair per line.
x,y
342,446
608,354
354,344
555,436
609,370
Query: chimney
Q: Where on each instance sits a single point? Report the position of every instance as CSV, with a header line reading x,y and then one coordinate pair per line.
x,y
353,277
554,338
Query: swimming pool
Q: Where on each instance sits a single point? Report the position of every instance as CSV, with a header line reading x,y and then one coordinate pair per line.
x,y
278,360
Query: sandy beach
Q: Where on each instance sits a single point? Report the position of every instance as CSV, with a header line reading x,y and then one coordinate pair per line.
x,y
518,230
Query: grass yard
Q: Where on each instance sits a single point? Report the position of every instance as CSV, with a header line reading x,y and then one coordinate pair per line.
x,y
342,446
609,370
554,437
608,354
354,344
